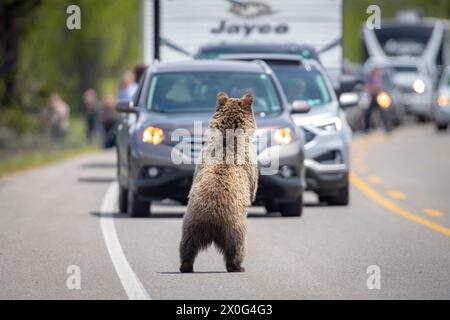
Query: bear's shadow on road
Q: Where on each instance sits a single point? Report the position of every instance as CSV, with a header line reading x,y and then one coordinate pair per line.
x,y
195,272
166,215
118,215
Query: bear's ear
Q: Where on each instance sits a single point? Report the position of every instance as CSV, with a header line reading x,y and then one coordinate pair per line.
x,y
222,98
247,100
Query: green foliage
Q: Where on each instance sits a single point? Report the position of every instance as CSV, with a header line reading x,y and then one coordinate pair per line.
x,y
13,22
54,58
35,148
19,120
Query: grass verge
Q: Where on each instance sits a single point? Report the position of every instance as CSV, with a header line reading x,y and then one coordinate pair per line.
x,y
35,150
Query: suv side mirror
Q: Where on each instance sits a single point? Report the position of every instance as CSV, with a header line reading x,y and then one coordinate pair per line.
x,y
299,106
126,106
348,99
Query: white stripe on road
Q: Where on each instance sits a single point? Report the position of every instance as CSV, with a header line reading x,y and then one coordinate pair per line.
x,y
130,282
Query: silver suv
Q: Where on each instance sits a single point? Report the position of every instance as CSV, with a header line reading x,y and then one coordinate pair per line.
x,y
327,133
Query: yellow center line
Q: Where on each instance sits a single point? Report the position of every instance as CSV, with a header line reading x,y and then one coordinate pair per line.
x,y
374,180
362,168
397,195
432,212
378,198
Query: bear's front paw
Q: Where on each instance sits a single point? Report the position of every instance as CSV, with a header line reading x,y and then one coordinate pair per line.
x,y
186,267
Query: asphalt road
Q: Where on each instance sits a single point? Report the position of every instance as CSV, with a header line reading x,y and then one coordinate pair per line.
x,y
398,224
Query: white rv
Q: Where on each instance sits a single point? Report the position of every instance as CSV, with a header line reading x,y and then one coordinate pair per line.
x,y
176,29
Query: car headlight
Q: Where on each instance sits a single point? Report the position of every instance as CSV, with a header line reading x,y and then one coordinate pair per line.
x,y
419,86
443,100
283,136
329,124
384,100
152,135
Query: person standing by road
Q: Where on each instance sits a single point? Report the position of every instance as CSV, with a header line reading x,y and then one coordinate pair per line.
x,y
374,86
90,109
58,114
127,87
108,119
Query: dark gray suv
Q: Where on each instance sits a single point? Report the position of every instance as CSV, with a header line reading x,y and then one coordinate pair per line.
x,y
163,128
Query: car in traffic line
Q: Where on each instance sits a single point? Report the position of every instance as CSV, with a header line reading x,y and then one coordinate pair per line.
x,y
390,99
326,131
411,78
441,104
182,95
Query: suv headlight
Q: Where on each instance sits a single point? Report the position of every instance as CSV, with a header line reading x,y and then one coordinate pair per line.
x,y
152,135
328,124
419,86
443,100
283,135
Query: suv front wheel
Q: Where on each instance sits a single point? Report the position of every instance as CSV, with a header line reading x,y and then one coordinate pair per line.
x,y
292,209
137,207
341,198
123,200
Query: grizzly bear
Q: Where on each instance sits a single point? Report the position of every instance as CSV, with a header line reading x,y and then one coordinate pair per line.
x,y
222,189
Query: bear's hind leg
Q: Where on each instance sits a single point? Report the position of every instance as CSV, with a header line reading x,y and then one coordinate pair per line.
x,y
189,248
234,250
194,238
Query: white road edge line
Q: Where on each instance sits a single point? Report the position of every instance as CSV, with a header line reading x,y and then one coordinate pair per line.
x,y
130,282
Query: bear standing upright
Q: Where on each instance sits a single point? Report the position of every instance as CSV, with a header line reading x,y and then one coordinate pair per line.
x,y
225,183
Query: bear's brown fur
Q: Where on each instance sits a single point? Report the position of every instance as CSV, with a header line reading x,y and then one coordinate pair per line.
x,y
221,191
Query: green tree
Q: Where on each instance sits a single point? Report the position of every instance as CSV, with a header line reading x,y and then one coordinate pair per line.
x,y
69,61
13,25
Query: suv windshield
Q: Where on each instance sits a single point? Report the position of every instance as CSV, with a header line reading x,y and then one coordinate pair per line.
x,y
447,79
303,84
197,91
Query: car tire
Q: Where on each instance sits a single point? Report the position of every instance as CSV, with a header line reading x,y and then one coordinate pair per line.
x,y
441,126
341,198
136,207
292,209
421,118
271,206
123,200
